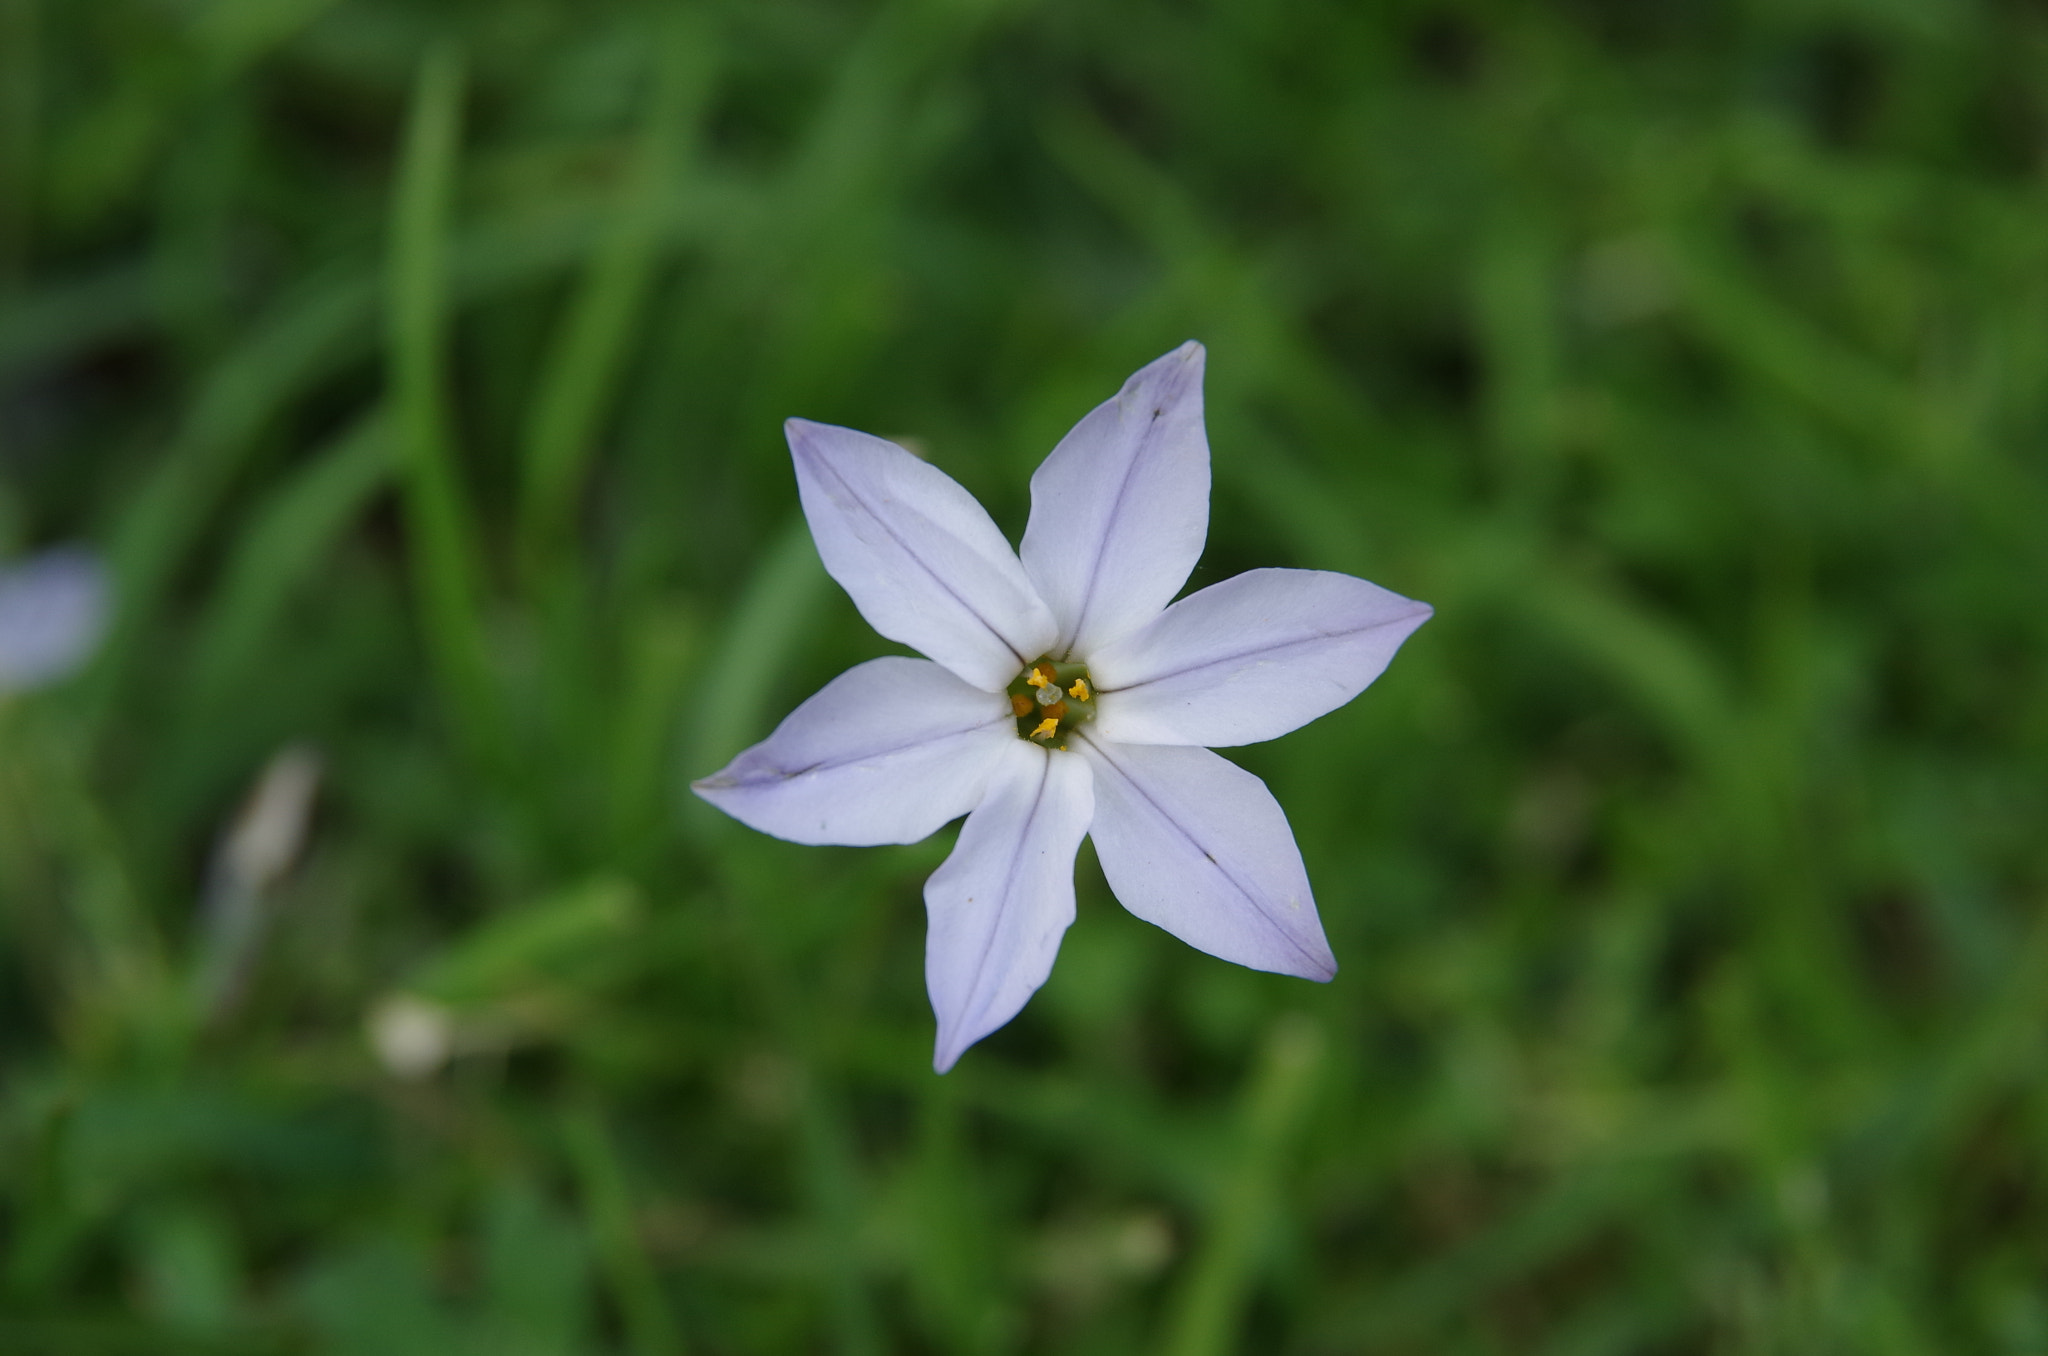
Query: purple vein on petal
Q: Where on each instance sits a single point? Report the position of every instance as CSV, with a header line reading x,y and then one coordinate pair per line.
x,y
1316,963
823,466
1116,509
1009,877
719,780
1280,649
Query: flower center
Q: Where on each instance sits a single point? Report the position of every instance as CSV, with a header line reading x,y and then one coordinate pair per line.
x,y
1050,699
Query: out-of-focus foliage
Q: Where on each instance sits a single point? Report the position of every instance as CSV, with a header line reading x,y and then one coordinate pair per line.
x,y
420,368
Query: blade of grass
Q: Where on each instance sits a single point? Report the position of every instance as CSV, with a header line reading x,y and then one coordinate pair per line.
x,y
590,348
1767,337
651,1329
826,1160
1206,1313
445,565
327,323
60,319
236,33
290,536
95,942
775,612
1569,1209
772,616
18,99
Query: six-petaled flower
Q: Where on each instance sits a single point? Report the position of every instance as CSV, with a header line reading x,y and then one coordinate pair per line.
x,y
1063,697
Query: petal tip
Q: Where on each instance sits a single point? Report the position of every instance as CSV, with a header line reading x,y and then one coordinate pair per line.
x,y
1312,960
1414,621
717,791
808,439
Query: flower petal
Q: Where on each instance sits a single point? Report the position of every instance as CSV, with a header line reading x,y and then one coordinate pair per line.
x,y
1250,658
53,611
1000,904
1195,844
884,753
920,558
1121,507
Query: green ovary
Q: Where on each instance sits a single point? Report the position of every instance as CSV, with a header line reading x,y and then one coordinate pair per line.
x,y
1049,699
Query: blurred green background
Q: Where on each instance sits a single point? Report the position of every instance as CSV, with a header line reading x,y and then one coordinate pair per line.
x,y
420,368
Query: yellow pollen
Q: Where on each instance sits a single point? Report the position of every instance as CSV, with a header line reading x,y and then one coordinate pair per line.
x,y
1047,728
1038,677
1079,691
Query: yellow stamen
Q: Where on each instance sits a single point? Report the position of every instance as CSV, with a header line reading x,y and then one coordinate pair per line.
x,y
1039,677
1047,728
1079,691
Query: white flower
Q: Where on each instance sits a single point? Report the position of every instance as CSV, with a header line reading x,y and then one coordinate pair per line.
x,y
1063,697
53,610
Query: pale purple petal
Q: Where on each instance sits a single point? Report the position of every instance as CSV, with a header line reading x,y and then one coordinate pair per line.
x,y
1000,904
884,753
1195,844
1249,659
53,611
920,558
1121,507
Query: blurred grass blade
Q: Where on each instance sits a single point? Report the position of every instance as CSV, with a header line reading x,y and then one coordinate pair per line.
x,y
445,564
290,536
1522,1241
1514,315
325,323
589,354
1206,1313
78,314
651,1328
97,954
654,685
235,33
1664,667
1759,331
509,952
775,612
19,83
534,1275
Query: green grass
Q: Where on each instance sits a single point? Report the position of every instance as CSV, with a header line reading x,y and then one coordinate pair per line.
x,y
421,368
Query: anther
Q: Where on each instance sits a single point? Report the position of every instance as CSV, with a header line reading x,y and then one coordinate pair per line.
x,y
1079,691
1047,728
